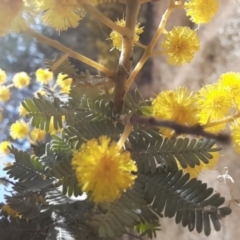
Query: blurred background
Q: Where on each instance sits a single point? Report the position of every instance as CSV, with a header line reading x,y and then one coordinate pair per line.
x,y
220,52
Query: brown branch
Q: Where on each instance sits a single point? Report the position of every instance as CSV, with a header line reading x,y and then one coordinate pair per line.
x,y
178,128
126,57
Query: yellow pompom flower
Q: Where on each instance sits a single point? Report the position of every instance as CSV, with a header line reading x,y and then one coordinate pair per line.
x,y
231,81
4,147
3,76
180,45
117,38
235,129
194,172
64,82
201,11
103,169
4,94
22,111
21,80
213,103
178,105
19,130
44,76
61,14
37,135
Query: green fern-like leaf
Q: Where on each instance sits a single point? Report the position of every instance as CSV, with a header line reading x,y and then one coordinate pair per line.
x,y
190,201
95,110
66,177
26,167
41,110
18,229
86,131
29,206
59,167
134,102
72,209
30,173
123,213
149,150
61,146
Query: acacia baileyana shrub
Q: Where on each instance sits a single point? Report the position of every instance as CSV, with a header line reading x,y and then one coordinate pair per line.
x,y
103,161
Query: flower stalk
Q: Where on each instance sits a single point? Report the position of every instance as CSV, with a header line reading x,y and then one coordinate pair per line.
x,y
227,119
149,48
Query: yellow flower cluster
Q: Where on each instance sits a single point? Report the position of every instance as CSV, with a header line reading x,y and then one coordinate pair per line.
x,y
3,76
178,105
44,76
4,93
64,82
21,80
4,147
201,11
180,45
211,106
103,169
61,14
37,135
19,130
117,38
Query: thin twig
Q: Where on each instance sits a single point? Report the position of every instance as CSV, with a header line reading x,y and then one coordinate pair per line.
x,y
148,50
70,52
59,62
126,132
140,45
227,119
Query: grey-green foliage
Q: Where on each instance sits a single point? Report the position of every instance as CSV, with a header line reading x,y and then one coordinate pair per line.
x,y
158,150
16,229
159,189
189,201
